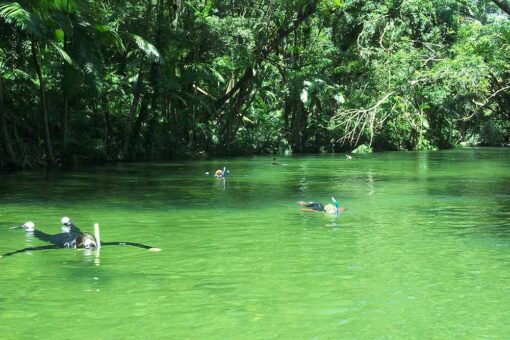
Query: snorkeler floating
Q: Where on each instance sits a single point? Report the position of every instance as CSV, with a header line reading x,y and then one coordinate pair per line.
x,y
221,173
70,237
319,207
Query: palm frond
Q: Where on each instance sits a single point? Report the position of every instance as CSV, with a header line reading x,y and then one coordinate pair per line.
x,y
111,36
13,13
65,6
146,47
67,58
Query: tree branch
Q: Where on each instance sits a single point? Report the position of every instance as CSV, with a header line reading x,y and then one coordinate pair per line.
x,y
262,51
503,5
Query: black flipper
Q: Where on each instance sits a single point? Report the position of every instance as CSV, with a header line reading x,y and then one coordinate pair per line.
x,y
133,244
51,246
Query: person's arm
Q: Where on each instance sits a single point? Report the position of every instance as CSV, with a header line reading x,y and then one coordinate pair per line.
x,y
51,246
42,235
74,229
133,244
312,205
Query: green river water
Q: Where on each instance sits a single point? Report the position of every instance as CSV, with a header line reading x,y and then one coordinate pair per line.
x,y
421,251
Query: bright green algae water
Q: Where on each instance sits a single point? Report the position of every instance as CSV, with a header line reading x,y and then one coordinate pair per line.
x,y
422,250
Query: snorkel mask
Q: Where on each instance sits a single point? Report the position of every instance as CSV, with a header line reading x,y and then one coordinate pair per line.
x,y
86,241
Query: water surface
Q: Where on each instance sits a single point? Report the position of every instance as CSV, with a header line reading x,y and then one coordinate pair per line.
x,y
422,250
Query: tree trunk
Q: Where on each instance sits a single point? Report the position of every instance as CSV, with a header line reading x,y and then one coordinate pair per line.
x,y
138,87
107,126
298,126
153,80
65,95
503,5
132,112
3,125
42,95
64,123
137,127
230,125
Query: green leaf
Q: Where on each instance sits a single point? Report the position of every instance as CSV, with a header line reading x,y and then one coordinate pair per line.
x,y
147,48
63,54
13,13
59,35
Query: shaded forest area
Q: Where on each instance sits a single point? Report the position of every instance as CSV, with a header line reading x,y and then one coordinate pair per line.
x,y
112,80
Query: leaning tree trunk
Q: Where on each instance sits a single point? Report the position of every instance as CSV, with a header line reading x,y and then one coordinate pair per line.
x,y
3,125
503,5
42,95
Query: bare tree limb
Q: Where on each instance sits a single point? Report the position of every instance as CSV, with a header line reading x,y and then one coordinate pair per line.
x,y
354,121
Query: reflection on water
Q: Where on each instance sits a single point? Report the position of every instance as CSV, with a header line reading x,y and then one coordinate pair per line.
x,y
421,251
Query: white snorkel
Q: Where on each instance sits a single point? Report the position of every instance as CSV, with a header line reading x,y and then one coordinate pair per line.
x,y
97,261
97,236
28,226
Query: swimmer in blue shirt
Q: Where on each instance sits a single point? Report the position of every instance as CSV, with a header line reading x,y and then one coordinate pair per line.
x,y
331,209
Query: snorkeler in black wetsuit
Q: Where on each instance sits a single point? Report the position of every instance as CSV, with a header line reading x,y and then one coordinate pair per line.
x,y
67,239
71,237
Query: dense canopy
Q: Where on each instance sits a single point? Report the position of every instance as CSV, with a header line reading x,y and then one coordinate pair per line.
x,y
115,80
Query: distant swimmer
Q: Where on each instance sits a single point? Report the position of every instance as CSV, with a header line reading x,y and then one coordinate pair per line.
x,y
71,237
221,173
275,161
348,156
331,209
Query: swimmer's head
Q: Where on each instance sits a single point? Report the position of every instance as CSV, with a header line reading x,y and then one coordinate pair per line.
x,y
330,209
28,226
86,241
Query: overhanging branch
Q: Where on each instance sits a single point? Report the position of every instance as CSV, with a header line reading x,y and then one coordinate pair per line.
x,y
262,51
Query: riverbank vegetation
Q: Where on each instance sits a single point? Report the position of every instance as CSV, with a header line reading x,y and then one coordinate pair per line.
x,y
114,80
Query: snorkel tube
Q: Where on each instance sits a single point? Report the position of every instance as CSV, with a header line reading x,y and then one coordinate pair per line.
x,y
337,205
96,232
29,226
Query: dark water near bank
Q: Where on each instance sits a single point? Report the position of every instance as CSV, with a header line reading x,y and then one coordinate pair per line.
x,y
422,250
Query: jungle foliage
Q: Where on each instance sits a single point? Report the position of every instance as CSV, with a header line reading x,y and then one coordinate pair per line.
x,y
115,80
